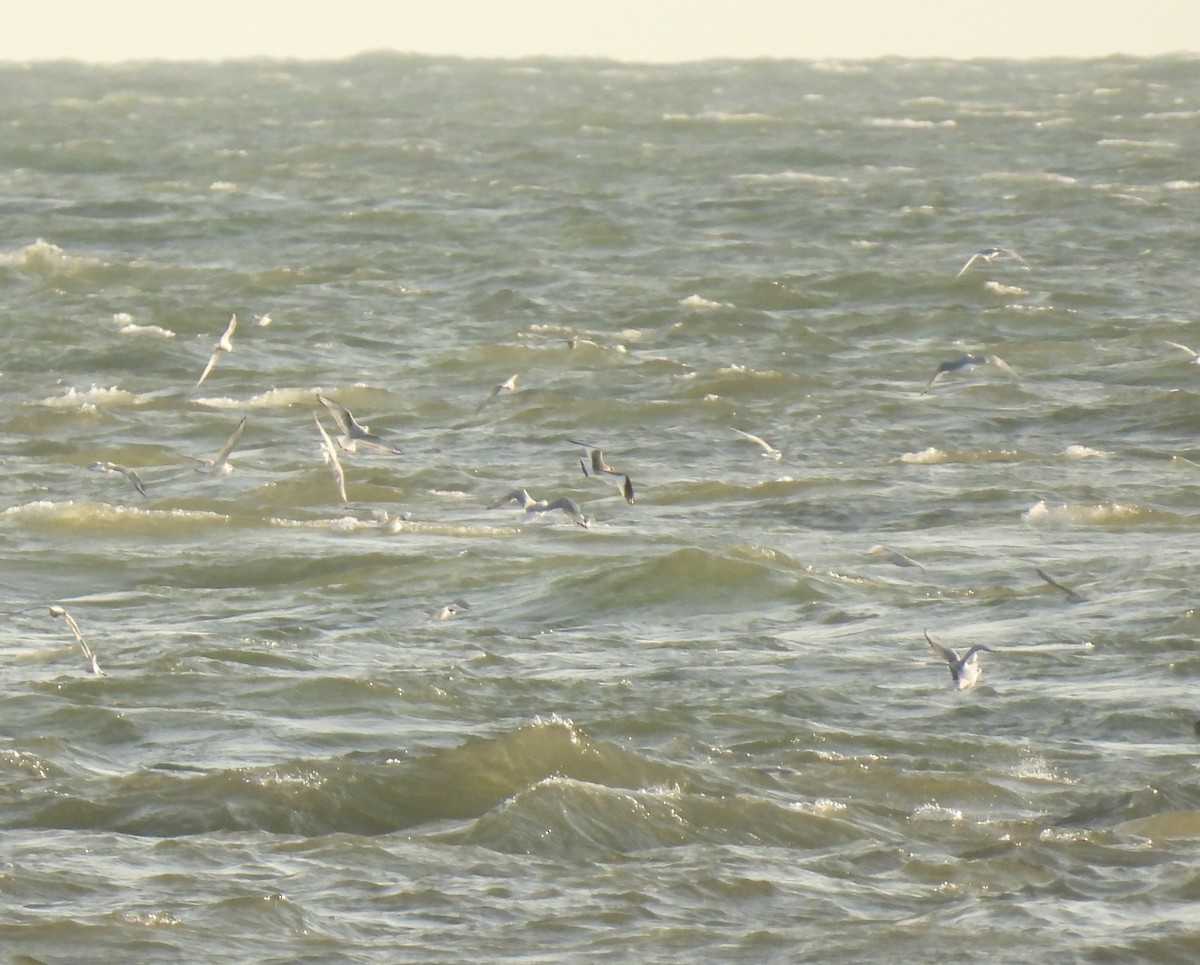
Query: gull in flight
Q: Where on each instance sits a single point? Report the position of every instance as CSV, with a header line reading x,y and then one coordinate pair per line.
x,y
224,344
768,450
896,559
335,466
1071,594
58,611
990,254
967,361
508,385
220,463
535,507
964,670
354,433
1195,357
449,610
112,467
599,466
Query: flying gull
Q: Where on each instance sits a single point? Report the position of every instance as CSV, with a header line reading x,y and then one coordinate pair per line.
x,y
220,464
112,467
896,559
990,254
964,670
768,450
449,610
1071,594
1195,357
599,466
535,507
224,344
508,385
967,361
354,433
58,611
330,454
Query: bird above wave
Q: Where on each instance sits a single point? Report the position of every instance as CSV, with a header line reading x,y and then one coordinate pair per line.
x,y
89,655
1072,595
508,385
967,361
535,507
449,610
990,254
964,670
331,457
220,464
768,451
893,557
224,344
354,433
1194,356
599,466
111,467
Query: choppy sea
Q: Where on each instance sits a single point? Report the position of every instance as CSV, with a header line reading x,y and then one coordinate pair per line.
x,y
708,726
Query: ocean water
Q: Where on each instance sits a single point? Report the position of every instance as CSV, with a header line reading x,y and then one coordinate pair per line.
x,y
708,726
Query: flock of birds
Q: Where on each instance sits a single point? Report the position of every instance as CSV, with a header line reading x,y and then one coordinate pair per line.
x,y
351,434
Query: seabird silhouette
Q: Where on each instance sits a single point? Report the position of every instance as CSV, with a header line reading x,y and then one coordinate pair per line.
x,y
353,432
966,361
965,670
990,254
224,344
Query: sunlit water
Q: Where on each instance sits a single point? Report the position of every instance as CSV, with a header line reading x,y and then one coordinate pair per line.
x,y
708,726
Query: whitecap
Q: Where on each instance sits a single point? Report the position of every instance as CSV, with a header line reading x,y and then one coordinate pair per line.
x,y
996,288
127,326
785,177
1083,452
698,301
907,122
933,811
88,399
1035,512
925,456
45,257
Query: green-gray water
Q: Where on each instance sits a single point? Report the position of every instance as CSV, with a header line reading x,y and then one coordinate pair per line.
x,y
708,727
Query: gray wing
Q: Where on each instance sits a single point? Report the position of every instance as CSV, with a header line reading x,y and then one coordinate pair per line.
x,y
943,651
231,444
335,465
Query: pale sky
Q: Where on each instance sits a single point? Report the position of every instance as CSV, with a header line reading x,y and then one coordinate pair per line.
x,y
630,30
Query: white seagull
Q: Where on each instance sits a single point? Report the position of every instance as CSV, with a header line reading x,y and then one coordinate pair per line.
x,y
354,433
224,344
220,464
335,466
768,450
990,254
508,385
599,466
893,557
449,610
111,467
965,670
1195,356
967,361
535,507
58,611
